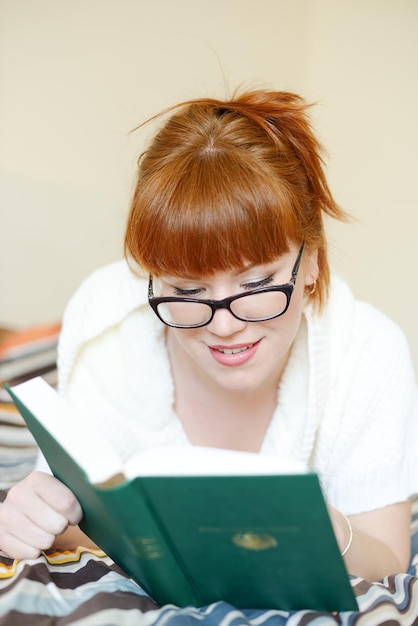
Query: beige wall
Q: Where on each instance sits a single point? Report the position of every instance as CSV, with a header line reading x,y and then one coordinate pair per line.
x,y
77,75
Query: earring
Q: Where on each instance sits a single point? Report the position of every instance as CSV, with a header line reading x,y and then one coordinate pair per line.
x,y
312,289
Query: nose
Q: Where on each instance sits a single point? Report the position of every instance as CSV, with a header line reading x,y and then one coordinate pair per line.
x,y
224,324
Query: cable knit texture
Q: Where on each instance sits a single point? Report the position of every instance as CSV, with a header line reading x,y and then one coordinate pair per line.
x,y
347,401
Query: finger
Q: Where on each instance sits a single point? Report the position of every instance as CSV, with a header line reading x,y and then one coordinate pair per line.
x,y
18,549
57,497
24,539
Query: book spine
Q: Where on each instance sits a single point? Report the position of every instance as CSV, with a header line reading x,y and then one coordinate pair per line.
x,y
137,543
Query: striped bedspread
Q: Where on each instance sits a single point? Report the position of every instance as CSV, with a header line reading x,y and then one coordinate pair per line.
x,y
85,588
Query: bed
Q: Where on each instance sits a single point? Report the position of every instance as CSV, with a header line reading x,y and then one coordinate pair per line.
x,y
85,588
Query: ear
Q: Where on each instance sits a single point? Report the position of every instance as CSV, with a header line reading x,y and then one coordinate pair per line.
x,y
311,266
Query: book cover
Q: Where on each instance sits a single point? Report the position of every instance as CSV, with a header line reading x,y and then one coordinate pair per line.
x,y
255,541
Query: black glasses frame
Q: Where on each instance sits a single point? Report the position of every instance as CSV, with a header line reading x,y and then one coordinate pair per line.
x,y
287,289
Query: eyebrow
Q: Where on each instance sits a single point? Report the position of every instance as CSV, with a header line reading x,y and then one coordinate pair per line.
x,y
267,268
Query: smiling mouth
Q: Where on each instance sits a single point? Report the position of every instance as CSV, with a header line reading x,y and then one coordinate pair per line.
x,y
234,350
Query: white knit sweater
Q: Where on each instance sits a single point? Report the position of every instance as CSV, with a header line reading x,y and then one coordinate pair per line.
x,y
347,402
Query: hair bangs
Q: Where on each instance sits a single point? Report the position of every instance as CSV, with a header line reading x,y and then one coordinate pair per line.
x,y
187,221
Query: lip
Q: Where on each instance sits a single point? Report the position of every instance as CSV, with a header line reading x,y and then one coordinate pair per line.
x,y
241,353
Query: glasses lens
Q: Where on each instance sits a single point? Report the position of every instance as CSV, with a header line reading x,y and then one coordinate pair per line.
x,y
259,306
184,313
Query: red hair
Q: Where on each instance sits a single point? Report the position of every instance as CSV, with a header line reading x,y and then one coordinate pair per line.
x,y
227,183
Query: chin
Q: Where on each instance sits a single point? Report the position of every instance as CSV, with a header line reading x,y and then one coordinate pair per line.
x,y
239,383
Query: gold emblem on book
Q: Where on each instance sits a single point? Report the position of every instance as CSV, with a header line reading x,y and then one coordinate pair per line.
x,y
254,541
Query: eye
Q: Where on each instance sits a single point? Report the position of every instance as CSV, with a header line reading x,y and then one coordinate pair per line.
x,y
264,282
191,293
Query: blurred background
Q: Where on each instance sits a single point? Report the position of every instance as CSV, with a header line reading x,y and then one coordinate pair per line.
x,y
77,75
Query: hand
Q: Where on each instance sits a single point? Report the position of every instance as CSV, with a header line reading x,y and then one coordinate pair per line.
x,y
35,512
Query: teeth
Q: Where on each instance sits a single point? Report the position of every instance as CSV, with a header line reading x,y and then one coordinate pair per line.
x,y
235,350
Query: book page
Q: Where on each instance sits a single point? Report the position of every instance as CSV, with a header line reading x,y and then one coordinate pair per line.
x,y
203,461
88,448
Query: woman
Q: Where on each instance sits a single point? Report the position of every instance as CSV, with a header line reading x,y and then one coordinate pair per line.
x,y
248,343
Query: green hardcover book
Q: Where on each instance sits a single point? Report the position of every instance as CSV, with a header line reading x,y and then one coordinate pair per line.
x,y
219,525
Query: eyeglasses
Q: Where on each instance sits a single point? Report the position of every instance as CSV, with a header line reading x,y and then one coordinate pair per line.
x,y
257,305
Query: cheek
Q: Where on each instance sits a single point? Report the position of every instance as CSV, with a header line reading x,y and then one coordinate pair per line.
x,y
297,300
287,326
187,339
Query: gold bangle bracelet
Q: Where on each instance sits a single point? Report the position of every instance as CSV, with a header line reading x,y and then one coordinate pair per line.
x,y
350,534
